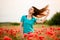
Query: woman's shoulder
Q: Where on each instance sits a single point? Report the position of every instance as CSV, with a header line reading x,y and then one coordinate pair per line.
x,y
24,16
34,18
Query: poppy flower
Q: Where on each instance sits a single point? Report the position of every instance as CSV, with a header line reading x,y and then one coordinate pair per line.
x,y
30,34
1,31
25,35
41,38
7,38
58,28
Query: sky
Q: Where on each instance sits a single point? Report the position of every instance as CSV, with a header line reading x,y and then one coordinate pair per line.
x,y
12,10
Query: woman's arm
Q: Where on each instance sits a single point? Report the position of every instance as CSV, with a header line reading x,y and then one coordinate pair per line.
x,y
21,29
43,20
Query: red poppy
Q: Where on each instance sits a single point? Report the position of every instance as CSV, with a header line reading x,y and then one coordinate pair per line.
x,y
1,31
30,34
41,38
58,28
25,35
7,38
12,32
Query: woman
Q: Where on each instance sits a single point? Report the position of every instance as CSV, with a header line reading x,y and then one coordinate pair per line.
x,y
28,21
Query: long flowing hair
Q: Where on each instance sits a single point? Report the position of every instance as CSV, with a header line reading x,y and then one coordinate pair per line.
x,y
39,11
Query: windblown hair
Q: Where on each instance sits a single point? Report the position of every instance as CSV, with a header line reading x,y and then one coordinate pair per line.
x,y
39,11
36,11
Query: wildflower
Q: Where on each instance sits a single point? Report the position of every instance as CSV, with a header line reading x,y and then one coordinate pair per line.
x,y
7,38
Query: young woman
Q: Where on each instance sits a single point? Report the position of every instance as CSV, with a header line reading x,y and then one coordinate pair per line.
x,y
27,21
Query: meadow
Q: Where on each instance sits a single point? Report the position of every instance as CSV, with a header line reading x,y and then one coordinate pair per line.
x,y
11,31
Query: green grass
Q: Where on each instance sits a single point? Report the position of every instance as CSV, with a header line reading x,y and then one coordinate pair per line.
x,y
9,24
13,24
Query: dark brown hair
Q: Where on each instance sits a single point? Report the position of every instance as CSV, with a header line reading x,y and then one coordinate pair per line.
x,y
39,11
36,11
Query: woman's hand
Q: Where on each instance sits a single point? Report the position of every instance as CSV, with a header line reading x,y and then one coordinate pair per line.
x,y
42,20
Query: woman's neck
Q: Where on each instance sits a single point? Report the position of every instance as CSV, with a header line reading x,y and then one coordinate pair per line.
x,y
29,15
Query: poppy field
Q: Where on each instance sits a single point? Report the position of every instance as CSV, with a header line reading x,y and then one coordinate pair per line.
x,y
42,32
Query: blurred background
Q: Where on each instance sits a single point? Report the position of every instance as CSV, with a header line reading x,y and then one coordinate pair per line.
x,y
12,10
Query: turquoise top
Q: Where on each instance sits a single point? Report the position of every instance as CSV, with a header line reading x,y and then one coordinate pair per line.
x,y
28,24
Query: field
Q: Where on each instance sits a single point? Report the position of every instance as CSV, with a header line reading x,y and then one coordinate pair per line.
x,y
11,31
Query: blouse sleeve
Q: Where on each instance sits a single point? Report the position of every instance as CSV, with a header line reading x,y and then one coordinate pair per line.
x,y
35,20
22,19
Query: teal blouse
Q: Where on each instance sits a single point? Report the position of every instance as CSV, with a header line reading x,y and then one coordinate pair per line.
x,y
28,24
